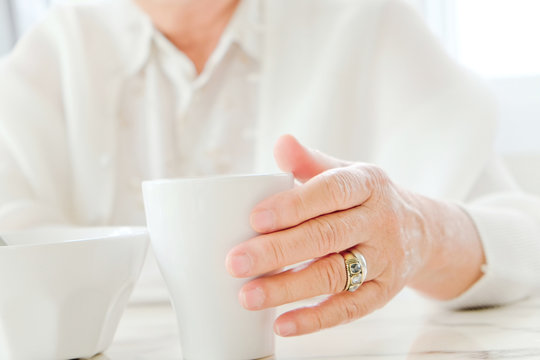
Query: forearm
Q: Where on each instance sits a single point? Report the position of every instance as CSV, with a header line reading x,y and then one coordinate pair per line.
x,y
454,256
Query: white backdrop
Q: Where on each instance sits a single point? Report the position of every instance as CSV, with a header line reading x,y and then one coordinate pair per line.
x,y
500,40
16,17
7,36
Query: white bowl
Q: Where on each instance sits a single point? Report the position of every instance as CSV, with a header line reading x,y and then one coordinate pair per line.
x,y
63,291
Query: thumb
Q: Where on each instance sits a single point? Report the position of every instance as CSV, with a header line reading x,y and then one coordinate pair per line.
x,y
304,163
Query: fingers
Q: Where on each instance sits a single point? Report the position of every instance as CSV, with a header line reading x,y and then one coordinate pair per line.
x,y
331,191
304,163
322,277
338,309
313,239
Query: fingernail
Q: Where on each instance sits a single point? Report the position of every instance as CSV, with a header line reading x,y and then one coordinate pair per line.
x,y
285,328
239,264
263,220
253,299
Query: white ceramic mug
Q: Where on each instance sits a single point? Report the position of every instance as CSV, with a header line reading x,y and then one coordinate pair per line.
x,y
193,223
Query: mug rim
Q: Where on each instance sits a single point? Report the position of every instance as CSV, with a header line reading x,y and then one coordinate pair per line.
x,y
212,178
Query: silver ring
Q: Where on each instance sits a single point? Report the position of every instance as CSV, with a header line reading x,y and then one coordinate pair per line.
x,y
356,269
363,262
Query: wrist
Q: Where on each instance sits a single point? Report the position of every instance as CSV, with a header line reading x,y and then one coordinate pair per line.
x,y
453,254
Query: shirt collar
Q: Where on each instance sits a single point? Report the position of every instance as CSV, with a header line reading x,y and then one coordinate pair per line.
x,y
244,29
138,35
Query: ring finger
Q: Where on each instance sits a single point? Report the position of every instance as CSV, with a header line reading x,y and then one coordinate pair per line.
x,y
323,276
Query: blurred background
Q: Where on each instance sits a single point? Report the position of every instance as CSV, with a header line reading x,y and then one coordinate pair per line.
x,y
497,39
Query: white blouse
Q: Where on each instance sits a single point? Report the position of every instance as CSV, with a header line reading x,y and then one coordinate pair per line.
x,y
176,123
94,100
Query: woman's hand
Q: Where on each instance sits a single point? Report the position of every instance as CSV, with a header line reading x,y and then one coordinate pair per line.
x,y
405,238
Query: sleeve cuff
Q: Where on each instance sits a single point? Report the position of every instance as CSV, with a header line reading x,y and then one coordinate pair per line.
x,y
510,241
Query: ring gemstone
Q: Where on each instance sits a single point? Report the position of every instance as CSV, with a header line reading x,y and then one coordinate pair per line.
x,y
355,268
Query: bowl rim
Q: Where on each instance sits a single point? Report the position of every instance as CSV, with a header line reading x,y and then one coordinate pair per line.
x,y
121,232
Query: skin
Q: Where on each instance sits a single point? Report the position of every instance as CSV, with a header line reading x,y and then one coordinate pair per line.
x,y
193,26
406,238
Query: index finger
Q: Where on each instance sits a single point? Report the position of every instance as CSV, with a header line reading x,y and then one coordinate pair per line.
x,y
331,191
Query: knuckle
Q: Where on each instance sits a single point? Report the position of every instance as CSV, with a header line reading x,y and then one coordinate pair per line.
x,y
332,273
338,185
297,203
288,291
378,173
280,292
384,294
275,252
377,177
316,319
352,310
326,235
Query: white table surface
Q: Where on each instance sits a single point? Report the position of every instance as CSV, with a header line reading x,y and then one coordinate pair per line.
x,y
408,328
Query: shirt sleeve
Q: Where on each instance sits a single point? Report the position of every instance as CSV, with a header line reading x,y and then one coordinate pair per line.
x,y
437,128
508,222
34,174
